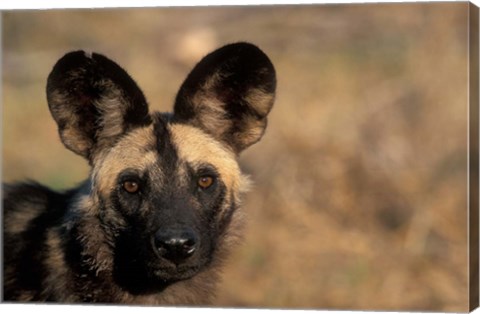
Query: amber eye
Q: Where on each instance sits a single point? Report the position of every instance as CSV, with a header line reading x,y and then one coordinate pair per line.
x,y
131,186
205,182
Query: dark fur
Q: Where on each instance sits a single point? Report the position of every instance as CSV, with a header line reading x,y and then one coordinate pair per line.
x,y
163,242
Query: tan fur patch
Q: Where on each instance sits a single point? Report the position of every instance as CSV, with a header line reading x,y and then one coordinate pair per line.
x,y
251,132
99,255
136,151
197,147
112,112
57,270
76,141
71,137
260,100
210,113
20,218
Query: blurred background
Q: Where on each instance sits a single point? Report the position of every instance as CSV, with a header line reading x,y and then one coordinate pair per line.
x,y
360,187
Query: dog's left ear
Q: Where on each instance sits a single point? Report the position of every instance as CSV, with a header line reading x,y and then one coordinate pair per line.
x,y
229,94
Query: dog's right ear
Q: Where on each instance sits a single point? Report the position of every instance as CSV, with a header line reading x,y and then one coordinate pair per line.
x,y
93,101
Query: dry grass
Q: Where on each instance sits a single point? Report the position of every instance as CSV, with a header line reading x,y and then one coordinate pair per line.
x,y
360,194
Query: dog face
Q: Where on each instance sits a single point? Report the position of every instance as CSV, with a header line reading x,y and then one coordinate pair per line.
x,y
173,190
166,185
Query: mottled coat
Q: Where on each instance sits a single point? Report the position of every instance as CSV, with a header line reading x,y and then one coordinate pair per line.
x,y
160,210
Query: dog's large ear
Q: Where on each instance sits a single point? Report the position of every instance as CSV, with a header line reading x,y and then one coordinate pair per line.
x,y
93,101
229,94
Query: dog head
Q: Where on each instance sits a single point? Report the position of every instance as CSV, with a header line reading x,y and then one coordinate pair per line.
x,y
166,185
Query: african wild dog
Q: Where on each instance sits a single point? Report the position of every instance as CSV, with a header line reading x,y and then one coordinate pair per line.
x,y
156,217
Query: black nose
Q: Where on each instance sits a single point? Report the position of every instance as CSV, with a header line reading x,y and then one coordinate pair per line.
x,y
176,244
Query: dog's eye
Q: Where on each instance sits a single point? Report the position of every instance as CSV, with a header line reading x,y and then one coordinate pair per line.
x,y
205,182
131,186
